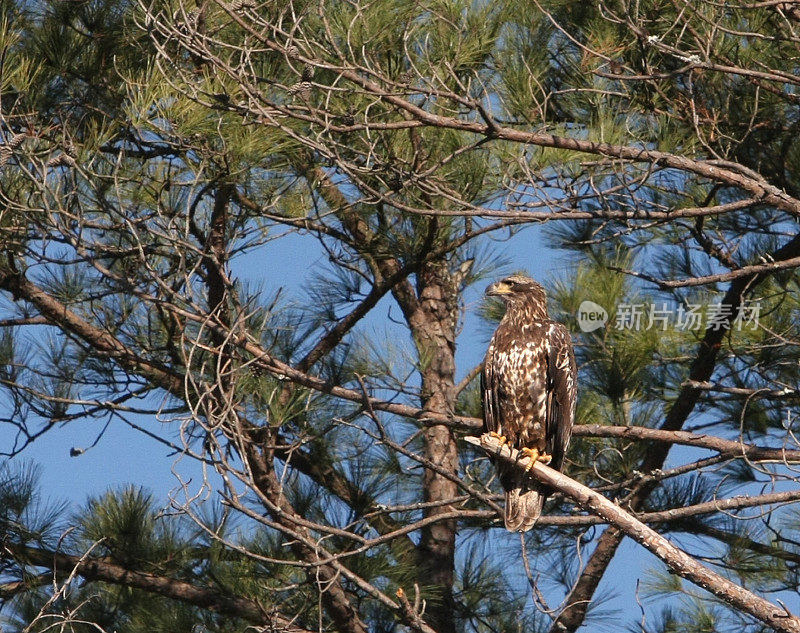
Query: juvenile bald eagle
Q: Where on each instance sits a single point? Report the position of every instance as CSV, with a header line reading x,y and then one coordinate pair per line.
x,y
528,386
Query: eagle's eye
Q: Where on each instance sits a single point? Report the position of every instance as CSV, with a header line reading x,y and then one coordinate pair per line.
x,y
512,287
517,284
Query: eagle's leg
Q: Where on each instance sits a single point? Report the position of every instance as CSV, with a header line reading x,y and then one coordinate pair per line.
x,y
535,456
500,438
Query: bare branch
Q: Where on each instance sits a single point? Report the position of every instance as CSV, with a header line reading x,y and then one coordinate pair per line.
x,y
677,560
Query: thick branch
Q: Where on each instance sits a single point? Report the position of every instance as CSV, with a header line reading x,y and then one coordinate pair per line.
x,y
700,371
744,271
776,394
674,516
95,569
698,440
14,587
104,343
677,560
491,129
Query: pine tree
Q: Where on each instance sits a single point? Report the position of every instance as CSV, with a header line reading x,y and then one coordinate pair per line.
x,y
152,151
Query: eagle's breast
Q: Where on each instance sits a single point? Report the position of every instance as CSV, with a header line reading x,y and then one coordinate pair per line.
x,y
519,363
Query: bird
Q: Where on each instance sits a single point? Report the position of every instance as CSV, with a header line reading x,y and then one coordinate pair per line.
x,y
528,391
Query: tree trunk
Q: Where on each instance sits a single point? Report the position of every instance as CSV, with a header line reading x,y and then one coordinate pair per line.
x,y
432,314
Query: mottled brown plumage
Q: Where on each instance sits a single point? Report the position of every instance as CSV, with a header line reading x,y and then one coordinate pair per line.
x,y
529,386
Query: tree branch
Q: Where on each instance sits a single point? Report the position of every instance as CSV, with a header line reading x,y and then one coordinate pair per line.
x,y
96,569
104,343
701,369
686,438
677,560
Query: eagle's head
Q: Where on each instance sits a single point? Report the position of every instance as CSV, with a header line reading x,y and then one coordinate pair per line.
x,y
519,292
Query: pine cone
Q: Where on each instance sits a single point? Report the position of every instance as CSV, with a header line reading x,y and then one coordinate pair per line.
x,y
292,52
190,25
406,77
256,371
242,5
308,73
193,18
394,182
790,9
16,140
62,159
7,150
301,89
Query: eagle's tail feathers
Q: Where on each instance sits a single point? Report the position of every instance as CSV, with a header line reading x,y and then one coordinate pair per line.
x,y
523,507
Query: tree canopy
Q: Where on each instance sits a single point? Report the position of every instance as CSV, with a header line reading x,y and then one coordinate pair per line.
x,y
152,151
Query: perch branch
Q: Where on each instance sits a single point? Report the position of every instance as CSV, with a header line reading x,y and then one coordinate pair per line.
x,y
676,559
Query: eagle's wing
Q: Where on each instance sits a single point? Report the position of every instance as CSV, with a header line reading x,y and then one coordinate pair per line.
x,y
489,395
561,393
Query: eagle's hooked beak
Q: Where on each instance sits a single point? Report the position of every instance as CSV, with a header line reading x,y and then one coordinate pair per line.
x,y
498,288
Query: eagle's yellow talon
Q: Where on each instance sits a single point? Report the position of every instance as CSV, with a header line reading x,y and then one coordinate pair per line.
x,y
532,454
535,456
498,437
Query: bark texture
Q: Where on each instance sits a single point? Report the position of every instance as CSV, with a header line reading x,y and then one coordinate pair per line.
x,y
431,310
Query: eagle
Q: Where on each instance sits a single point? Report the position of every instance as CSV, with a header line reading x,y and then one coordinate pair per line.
x,y
528,388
